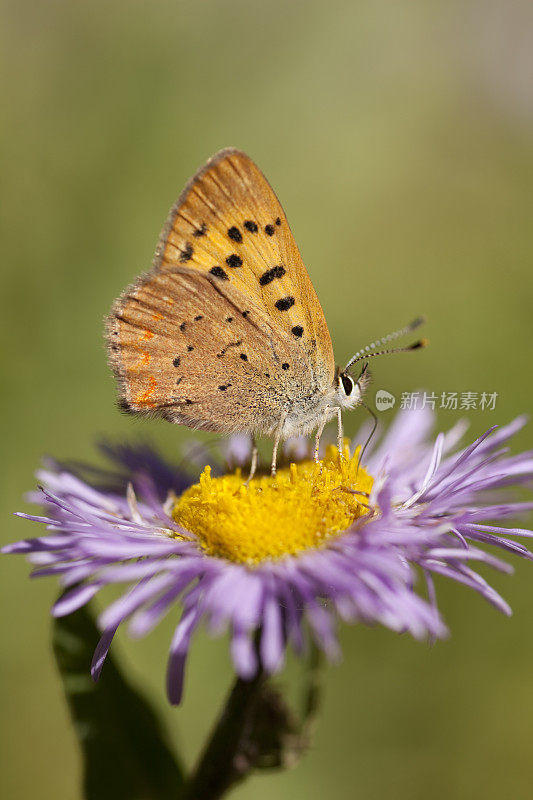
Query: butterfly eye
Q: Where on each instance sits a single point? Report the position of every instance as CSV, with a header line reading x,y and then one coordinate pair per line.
x,y
347,384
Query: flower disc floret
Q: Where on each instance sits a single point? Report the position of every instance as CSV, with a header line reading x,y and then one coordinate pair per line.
x,y
303,507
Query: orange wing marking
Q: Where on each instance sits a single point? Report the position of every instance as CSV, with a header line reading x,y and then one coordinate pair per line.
x,y
144,398
144,360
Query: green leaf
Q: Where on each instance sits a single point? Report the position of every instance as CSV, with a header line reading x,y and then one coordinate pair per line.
x,y
125,754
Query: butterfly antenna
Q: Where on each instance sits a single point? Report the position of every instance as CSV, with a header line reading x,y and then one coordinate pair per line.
x,y
414,346
371,434
366,351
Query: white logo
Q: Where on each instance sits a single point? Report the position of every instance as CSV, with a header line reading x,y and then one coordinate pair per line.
x,y
384,400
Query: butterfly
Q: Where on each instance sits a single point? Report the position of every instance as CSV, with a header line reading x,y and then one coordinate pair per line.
x,y
226,333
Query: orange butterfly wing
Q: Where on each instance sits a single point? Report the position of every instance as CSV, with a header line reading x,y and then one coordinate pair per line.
x,y
229,216
229,230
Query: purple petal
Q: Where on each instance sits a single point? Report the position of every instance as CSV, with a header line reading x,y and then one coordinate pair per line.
x,y
146,589
101,651
272,638
243,653
75,598
179,649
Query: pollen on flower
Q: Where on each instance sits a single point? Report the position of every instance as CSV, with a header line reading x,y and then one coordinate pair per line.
x,y
302,508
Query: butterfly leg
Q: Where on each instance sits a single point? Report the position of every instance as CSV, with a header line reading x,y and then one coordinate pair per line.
x,y
320,431
328,411
253,463
340,432
275,448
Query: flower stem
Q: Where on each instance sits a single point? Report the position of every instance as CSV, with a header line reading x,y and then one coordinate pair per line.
x,y
223,762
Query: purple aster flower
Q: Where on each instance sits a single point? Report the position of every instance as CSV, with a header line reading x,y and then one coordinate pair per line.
x,y
283,559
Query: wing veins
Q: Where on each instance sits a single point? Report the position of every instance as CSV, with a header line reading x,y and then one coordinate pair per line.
x,y
206,202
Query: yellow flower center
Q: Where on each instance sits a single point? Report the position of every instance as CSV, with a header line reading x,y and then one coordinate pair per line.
x,y
303,507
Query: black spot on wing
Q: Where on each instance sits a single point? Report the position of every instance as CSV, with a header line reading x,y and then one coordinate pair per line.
x,y
251,226
190,348
234,261
183,326
235,234
198,317
270,230
245,314
243,356
229,319
285,366
186,253
176,361
218,272
271,274
278,221
201,231
297,331
285,303
224,386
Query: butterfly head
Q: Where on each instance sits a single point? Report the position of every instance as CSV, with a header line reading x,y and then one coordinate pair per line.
x,y
349,390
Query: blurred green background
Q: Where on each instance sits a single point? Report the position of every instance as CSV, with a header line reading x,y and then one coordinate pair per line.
x,y
399,138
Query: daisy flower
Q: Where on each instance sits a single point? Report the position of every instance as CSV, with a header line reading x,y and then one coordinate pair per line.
x,y
283,559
